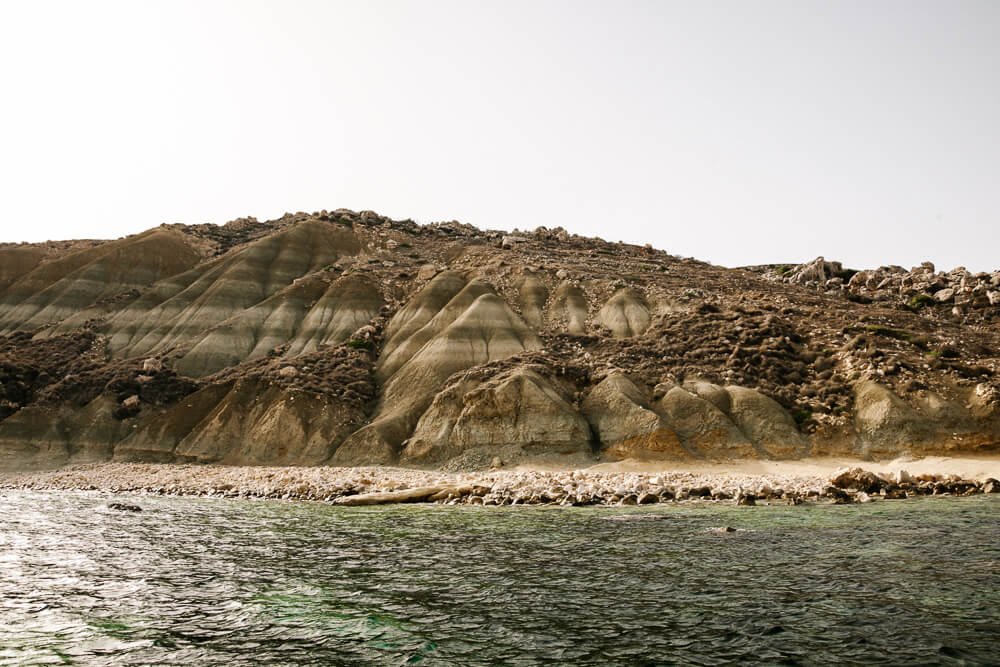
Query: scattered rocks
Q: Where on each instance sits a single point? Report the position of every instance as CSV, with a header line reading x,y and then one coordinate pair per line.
x,y
374,485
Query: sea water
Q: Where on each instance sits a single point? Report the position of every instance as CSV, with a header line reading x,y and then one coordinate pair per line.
x,y
235,582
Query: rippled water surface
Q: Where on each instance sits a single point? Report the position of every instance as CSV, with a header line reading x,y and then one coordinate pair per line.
x,y
193,581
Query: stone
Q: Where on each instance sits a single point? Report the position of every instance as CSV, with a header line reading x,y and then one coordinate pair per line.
x,y
818,270
124,507
426,272
944,295
387,497
152,365
288,371
857,479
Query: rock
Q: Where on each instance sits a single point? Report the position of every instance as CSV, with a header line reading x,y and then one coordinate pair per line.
x,y
745,499
945,295
839,496
857,479
895,493
152,365
288,371
131,401
818,270
405,496
426,272
123,507
991,486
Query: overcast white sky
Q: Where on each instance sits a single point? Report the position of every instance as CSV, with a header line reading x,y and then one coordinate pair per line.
x,y
737,132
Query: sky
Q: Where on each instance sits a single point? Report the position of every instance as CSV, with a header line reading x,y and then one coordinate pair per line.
x,y
740,132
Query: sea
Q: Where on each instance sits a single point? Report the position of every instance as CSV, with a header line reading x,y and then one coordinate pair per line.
x,y
195,581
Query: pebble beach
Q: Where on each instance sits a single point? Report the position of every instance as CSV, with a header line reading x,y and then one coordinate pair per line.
x,y
378,485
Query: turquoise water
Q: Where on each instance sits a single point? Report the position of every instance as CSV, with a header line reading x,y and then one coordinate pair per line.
x,y
207,581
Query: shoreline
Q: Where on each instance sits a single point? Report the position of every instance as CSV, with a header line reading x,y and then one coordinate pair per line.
x,y
622,483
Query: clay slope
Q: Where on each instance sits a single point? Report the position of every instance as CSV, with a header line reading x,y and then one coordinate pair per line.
x,y
350,338
473,327
177,313
69,286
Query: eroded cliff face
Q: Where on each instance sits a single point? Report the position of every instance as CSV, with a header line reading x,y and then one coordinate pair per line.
x,y
349,338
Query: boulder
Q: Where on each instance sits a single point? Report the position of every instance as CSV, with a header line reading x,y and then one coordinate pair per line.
x,y
857,479
819,270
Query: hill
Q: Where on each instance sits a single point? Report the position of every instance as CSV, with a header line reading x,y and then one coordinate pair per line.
x,y
350,338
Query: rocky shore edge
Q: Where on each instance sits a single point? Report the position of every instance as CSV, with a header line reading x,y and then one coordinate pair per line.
x,y
377,485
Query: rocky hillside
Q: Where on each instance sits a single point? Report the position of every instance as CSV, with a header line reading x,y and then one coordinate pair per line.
x,y
349,338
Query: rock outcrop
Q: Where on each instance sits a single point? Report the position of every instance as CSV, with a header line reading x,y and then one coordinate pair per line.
x,y
520,408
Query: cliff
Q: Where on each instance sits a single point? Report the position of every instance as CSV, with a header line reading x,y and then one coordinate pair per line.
x,y
349,338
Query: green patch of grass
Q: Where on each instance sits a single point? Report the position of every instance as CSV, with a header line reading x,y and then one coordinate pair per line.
x,y
920,301
782,270
359,344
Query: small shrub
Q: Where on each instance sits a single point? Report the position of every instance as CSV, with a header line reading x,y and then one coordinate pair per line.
x,y
920,301
802,416
359,344
782,270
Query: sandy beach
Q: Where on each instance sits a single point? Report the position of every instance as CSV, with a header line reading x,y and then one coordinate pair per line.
x,y
625,482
